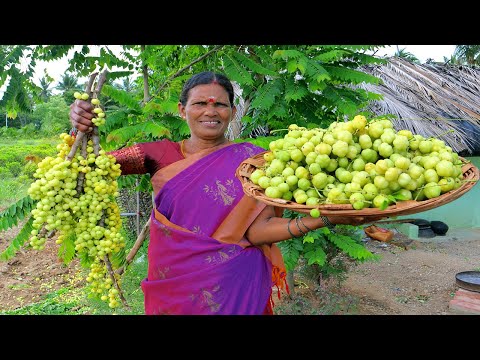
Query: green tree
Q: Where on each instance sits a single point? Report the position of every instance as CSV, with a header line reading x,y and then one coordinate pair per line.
x,y
45,92
68,84
406,55
53,116
468,54
452,60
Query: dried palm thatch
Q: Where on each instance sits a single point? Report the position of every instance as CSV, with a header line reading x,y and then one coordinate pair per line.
x,y
432,99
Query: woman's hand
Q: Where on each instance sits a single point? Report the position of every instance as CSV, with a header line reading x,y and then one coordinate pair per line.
x,y
81,115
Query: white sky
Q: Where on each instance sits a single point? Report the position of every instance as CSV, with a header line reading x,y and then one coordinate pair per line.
x,y
423,52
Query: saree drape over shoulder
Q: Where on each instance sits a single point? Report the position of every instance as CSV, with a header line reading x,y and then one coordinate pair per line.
x,y
199,259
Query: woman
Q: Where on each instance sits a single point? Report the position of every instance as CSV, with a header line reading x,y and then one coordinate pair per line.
x,y
212,248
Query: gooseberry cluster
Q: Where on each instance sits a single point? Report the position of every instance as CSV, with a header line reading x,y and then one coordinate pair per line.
x,y
358,162
76,192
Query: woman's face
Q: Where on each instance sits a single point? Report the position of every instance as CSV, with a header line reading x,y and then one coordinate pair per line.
x,y
208,111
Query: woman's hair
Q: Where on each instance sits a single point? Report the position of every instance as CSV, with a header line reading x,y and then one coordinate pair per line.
x,y
207,77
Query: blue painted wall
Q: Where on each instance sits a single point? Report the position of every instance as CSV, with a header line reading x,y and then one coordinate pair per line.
x,y
463,212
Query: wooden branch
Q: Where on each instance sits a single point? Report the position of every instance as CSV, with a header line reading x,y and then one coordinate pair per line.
x,y
88,87
138,244
42,232
112,276
95,135
83,149
76,144
101,80
96,141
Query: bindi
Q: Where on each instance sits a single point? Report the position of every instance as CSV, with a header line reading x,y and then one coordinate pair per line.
x,y
211,99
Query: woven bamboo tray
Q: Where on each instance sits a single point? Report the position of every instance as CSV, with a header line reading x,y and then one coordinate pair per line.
x,y
405,207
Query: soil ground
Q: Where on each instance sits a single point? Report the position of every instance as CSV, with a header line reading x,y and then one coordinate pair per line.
x,y
412,277
30,275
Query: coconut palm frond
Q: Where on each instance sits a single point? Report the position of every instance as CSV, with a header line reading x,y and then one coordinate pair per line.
x,y
439,100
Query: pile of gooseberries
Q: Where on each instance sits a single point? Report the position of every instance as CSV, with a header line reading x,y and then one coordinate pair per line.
x,y
358,162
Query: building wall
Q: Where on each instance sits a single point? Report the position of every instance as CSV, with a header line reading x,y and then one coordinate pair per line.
x,y
463,212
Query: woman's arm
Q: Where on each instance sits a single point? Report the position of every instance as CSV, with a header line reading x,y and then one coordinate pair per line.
x,y
268,228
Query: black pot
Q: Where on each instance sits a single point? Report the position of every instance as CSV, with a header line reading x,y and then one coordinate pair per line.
x,y
421,223
439,227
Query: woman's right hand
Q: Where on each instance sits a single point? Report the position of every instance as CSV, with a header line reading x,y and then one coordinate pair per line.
x,y
81,115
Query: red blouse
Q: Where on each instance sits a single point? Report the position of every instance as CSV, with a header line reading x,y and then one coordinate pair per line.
x,y
147,157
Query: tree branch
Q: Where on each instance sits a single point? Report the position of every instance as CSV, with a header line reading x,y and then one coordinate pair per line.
x,y
179,72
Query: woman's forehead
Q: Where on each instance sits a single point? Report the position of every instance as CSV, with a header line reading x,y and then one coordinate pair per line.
x,y
208,91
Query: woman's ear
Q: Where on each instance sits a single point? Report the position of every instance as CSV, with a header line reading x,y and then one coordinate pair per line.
x,y
181,110
234,111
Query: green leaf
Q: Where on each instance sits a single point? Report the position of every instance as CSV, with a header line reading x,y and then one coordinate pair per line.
x,y
316,256
384,204
156,130
316,72
236,72
295,90
347,75
308,239
17,211
66,250
252,65
266,94
122,97
302,64
292,65
343,103
291,252
331,55
399,196
279,109
18,241
287,54
349,246
127,181
262,141
144,129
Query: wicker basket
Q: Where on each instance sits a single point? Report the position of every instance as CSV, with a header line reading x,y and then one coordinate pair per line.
x,y
406,207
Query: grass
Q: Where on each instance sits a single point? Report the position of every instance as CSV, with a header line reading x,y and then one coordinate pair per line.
x,y
13,188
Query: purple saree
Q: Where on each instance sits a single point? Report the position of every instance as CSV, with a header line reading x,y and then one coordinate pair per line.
x,y
199,261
